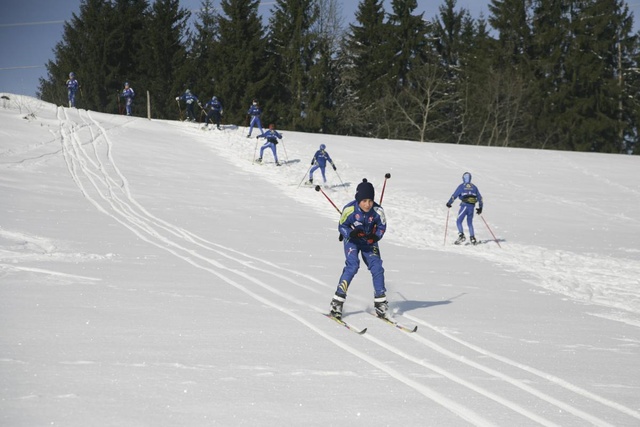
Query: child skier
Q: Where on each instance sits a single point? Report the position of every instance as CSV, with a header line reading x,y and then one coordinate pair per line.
x,y
72,87
272,137
254,112
191,100
362,225
469,195
319,161
128,94
214,113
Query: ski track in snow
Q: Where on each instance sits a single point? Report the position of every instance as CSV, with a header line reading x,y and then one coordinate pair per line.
x,y
89,155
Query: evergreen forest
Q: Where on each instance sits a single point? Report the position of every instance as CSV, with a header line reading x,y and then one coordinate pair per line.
x,y
547,74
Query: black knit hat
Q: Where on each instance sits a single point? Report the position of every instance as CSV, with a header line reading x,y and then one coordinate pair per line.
x,y
365,190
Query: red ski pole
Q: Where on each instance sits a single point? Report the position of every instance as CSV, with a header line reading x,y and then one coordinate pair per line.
x,y
386,177
488,228
318,188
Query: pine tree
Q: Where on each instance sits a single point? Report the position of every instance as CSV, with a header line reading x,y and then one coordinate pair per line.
x,y
292,46
100,45
164,70
241,66
202,56
363,70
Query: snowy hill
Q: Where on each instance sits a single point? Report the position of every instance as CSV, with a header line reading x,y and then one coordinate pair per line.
x,y
151,274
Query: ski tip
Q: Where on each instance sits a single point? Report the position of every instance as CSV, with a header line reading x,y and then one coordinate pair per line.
x,y
362,332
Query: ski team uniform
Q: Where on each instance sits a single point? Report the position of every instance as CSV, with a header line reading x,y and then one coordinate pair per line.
x,y
128,94
72,87
272,137
360,232
191,100
319,161
215,111
255,112
469,195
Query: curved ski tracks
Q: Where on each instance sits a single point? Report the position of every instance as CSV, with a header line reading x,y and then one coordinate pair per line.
x,y
88,153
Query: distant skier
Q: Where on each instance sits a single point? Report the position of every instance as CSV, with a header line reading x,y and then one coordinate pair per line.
x,y
319,161
469,195
128,94
72,87
362,225
215,112
254,112
272,137
191,100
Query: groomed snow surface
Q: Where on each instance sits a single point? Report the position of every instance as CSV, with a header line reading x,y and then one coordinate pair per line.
x,y
151,274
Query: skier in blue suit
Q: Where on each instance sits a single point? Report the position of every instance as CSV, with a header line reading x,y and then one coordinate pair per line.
x,y
72,87
272,137
319,161
361,226
255,112
214,113
469,195
191,100
128,94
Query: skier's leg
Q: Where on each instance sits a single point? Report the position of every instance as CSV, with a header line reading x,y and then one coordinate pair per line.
x,y
351,266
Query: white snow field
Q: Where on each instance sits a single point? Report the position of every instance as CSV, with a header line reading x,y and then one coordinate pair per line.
x,y
151,274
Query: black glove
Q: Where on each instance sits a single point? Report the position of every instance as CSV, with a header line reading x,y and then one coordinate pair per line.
x,y
334,167
448,205
312,162
257,136
372,238
478,211
357,233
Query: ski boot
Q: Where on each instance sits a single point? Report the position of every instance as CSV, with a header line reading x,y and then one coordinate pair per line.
x,y
310,182
473,240
336,306
461,239
259,160
382,307
278,164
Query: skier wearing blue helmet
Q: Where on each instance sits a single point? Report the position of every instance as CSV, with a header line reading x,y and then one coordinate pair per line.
x,y
319,161
72,87
469,195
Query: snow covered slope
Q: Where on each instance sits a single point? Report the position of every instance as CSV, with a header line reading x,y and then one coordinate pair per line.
x,y
151,274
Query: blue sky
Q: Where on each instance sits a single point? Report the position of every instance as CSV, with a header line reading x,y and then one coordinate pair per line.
x,y
30,29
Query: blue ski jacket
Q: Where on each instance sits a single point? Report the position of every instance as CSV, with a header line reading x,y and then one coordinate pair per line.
x,y
353,217
271,135
468,193
321,158
254,110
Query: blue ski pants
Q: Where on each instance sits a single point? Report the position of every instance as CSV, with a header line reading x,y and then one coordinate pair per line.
x,y
273,149
466,211
371,256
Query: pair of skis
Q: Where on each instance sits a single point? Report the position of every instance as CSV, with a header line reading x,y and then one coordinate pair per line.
x,y
404,328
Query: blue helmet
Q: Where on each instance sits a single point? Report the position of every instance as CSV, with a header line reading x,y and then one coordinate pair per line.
x,y
214,99
72,74
126,84
322,146
466,177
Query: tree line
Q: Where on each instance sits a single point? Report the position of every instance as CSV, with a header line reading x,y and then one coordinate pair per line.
x,y
550,74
